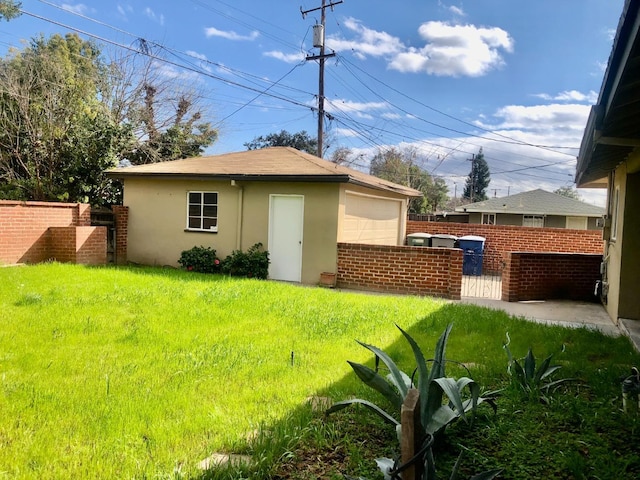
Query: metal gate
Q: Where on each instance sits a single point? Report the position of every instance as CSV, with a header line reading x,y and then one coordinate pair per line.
x,y
486,280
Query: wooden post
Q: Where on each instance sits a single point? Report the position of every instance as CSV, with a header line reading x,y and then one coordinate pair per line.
x,y
411,440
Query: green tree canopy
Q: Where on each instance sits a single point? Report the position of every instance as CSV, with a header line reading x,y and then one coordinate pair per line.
x,y
67,114
301,141
568,192
402,167
475,189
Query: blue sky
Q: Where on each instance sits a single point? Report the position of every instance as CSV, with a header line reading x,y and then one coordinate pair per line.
x,y
442,77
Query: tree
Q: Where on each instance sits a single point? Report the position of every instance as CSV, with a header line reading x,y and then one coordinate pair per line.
x,y
475,189
9,9
569,192
67,114
56,138
300,141
401,166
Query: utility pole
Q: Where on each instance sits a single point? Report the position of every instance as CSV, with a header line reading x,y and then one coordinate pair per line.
x,y
318,42
473,175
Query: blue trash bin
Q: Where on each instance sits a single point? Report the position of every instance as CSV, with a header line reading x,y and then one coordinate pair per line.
x,y
473,248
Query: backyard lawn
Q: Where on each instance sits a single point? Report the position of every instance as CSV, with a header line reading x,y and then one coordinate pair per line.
x,y
143,372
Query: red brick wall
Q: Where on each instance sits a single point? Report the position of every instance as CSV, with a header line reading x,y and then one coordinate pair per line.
x,y
32,232
414,270
502,239
121,217
545,276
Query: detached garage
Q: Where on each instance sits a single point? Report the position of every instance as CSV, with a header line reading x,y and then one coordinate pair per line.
x,y
296,204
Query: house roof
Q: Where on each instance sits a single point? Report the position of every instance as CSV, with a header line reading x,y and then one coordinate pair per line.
x,y
534,202
273,164
613,127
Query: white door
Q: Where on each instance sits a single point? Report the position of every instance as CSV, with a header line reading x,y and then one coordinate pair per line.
x,y
286,218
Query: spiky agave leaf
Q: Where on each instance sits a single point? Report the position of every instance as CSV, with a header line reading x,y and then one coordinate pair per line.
x,y
434,395
398,381
423,375
529,366
371,406
377,382
386,465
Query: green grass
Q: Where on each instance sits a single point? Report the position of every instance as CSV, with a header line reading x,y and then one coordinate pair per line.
x,y
142,373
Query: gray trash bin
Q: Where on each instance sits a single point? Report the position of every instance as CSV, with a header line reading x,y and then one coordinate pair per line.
x,y
473,248
419,240
443,240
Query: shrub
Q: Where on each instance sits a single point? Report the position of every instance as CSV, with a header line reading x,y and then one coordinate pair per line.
x,y
200,259
254,263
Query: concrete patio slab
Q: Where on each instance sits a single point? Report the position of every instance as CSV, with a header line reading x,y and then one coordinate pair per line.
x,y
556,312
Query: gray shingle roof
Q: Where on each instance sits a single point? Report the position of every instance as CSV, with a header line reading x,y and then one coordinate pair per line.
x,y
281,164
534,202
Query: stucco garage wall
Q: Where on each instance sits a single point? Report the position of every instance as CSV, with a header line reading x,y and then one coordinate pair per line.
x,y
157,220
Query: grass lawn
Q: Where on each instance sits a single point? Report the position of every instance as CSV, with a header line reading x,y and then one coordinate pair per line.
x,y
142,373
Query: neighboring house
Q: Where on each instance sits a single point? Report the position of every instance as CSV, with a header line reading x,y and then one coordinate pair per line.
x,y
536,208
297,205
610,158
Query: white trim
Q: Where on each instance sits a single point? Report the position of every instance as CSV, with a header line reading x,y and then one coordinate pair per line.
x,y
494,215
208,230
615,209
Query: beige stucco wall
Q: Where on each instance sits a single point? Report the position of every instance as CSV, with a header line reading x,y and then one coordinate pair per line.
x,y
622,253
157,220
508,219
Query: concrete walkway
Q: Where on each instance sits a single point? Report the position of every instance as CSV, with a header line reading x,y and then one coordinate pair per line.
x,y
557,312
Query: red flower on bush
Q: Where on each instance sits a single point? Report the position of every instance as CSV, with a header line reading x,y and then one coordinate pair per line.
x,y
189,268
216,262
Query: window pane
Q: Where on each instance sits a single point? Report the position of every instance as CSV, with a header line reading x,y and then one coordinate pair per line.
x,y
194,222
210,211
194,197
211,198
209,222
194,210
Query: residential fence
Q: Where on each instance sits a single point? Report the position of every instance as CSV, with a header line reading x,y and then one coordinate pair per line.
x,y
547,276
32,232
500,240
400,269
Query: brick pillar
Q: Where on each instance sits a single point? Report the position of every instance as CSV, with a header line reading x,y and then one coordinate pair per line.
x,y
121,217
84,215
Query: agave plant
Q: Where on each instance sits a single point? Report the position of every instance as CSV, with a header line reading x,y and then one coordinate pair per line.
x,y
432,385
531,378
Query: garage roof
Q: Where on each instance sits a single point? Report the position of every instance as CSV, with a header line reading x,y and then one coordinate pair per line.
x,y
613,128
273,164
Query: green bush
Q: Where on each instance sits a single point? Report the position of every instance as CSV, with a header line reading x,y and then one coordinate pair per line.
x,y
200,259
254,263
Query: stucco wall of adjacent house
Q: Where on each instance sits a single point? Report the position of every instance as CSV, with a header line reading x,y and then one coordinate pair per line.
x,y
157,220
629,306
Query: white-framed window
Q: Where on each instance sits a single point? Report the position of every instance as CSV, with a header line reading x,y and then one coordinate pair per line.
x,y
488,218
614,213
532,221
202,211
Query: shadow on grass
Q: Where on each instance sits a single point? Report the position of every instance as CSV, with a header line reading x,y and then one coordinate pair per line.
x,y
476,341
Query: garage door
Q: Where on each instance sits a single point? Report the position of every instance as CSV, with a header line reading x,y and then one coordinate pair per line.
x,y
372,220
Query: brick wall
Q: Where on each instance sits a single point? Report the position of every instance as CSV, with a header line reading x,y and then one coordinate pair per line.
x,y
545,276
32,232
502,239
121,218
421,271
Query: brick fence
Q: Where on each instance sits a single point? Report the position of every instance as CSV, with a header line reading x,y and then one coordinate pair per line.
x,y
414,270
503,239
545,276
32,232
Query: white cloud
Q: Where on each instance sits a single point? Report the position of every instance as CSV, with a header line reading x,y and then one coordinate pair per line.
x,y
79,8
124,10
230,34
455,50
449,50
153,16
457,10
285,57
590,97
200,56
392,116
559,117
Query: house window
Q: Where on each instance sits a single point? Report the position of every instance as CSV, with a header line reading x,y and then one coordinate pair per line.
x,y
614,213
202,211
577,223
532,221
488,218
